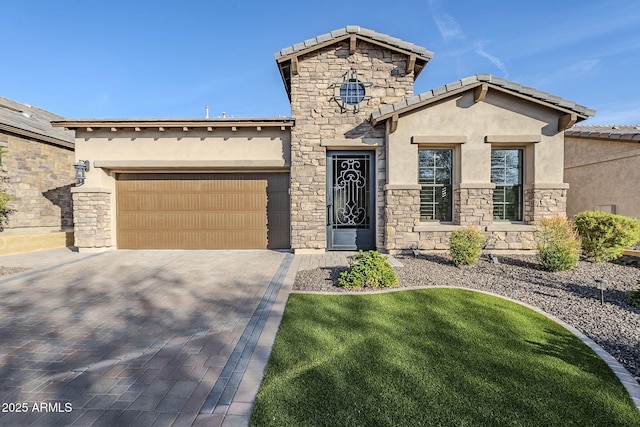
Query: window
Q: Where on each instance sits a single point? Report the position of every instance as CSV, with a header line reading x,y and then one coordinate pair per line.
x,y
352,92
435,176
506,173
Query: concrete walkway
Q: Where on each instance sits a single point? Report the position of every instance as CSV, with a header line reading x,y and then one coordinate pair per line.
x,y
138,337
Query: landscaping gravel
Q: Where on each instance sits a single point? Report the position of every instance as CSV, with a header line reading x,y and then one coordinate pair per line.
x,y
570,296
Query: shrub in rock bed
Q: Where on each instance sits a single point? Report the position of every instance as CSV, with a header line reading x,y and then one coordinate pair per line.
x,y
368,269
465,245
604,235
558,244
633,297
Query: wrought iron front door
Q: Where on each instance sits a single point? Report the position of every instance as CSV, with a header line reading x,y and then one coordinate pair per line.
x,y
350,200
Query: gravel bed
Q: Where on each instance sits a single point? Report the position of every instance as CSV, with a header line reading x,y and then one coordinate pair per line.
x,y
571,296
6,271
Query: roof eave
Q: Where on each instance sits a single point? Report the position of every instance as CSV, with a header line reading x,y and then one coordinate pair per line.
x,y
377,119
37,136
281,122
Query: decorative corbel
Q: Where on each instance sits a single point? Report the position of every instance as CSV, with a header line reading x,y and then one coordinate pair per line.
x,y
411,64
567,121
480,93
352,44
394,123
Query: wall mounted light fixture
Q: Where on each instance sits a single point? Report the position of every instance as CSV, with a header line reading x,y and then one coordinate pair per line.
x,y
81,166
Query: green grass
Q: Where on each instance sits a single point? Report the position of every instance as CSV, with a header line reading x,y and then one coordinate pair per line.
x,y
432,357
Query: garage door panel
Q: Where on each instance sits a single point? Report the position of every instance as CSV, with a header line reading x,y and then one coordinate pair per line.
x,y
203,211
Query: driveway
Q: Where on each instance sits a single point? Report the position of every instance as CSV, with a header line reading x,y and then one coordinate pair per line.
x,y
137,337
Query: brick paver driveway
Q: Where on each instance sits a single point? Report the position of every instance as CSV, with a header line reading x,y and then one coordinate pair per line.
x,y
127,337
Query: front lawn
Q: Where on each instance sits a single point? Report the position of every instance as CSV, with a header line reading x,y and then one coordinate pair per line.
x,y
443,357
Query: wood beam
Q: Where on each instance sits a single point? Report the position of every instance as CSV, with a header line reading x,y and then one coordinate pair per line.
x,y
352,44
566,121
394,123
411,64
294,66
480,93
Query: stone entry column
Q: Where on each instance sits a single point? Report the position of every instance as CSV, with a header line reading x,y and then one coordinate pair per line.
x,y
92,213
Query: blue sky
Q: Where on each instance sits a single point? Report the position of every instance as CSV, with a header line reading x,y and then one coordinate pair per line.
x,y
157,59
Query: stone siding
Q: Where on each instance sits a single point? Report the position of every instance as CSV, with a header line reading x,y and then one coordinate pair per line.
x,y
318,116
541,203
510,240
39,177
401,215
92,228
473,206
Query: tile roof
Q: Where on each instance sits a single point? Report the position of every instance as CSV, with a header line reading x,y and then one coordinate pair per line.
x,y
476,81
32,122
354,29
623,133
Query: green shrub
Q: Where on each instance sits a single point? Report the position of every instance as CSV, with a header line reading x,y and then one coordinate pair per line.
x,y
368,269
558,244
466,245
604,236
633,297
4,208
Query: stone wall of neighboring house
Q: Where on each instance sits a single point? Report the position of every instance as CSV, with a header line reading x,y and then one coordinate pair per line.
x,y
321,126
39,177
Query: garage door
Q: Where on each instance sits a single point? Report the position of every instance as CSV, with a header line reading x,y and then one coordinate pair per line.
x,y
202,211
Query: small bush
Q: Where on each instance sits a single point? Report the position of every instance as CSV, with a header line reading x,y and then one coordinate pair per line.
x,y
633,297
604,236
558,244
466,245
368,269
5,210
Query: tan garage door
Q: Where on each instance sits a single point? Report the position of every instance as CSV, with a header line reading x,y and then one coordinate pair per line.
x,y
202,211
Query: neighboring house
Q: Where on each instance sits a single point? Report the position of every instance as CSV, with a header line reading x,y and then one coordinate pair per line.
x,y
362,163
37,172
602,167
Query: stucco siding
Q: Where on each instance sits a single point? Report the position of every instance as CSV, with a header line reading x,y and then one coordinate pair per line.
x,y
603,175
460,116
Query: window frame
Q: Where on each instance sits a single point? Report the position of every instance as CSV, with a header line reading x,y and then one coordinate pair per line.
x,y
448,218
518,200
